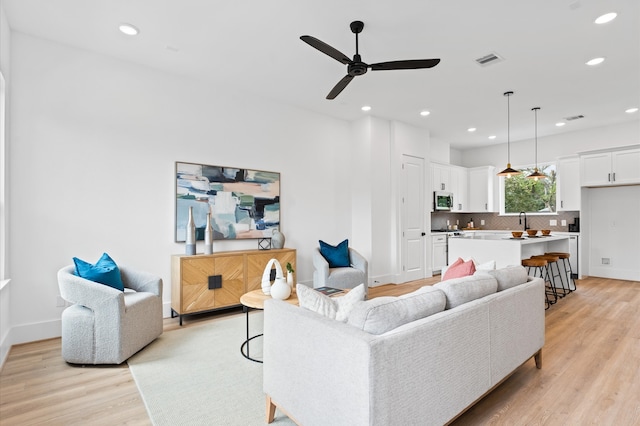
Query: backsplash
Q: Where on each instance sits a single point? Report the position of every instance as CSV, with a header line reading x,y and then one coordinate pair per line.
x,y
509,223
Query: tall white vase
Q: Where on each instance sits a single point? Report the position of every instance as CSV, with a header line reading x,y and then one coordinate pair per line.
x,y
190,246
208,236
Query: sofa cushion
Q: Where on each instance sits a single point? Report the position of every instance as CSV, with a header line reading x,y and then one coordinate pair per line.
x,y
462,290
104,271
379,315
510,276
336,256
459,269
337,307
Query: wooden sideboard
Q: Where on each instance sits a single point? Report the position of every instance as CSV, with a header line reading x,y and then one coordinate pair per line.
x,y
206,282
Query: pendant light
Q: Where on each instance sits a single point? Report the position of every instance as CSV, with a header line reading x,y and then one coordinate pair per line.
x,y
508,172
536,174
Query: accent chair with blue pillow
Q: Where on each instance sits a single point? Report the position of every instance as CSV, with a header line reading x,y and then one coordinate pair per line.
x,y
339,266
116,311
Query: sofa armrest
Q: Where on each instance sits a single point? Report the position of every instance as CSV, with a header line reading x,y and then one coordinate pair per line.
x,y
141,281
315,368
87,293
359,262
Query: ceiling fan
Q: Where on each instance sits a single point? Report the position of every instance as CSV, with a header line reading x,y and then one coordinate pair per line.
x,y
356,67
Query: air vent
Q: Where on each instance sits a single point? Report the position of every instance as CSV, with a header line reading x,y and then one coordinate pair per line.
x,y
489,59
575,117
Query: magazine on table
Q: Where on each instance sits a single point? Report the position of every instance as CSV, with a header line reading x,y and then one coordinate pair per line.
x,y
329,291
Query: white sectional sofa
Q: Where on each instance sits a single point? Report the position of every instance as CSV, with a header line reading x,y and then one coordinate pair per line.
x,y
427,371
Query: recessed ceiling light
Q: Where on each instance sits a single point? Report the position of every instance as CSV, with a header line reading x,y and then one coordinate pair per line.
x,y
560,124
128,29
595,61
492,137
607,17
425,113
366,108
471,129
631,110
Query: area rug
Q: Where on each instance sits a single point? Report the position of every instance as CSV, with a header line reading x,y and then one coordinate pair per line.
x,y
197,376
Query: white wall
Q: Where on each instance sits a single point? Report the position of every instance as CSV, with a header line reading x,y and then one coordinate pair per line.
x,y
5,285
94,141
614,232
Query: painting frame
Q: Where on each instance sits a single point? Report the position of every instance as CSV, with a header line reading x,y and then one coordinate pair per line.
x,y
242,203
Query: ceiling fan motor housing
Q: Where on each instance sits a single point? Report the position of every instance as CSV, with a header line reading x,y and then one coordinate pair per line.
x,y
357,67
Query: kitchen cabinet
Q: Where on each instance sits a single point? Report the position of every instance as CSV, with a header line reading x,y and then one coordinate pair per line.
x,y
607,168
438,252
459,178
568,184
441,177
445,177
480,189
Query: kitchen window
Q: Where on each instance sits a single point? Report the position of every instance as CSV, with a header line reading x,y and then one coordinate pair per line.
x,y
521,194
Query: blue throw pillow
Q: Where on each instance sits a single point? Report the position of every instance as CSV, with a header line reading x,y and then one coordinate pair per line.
x,y
338,256
105,271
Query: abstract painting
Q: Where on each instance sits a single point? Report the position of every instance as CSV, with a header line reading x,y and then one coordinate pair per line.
x,y
243,203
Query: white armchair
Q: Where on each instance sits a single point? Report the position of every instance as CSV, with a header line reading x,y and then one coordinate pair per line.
x,y
106,325
348,277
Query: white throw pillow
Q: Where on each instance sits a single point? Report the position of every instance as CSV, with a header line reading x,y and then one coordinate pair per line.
x,y
337,307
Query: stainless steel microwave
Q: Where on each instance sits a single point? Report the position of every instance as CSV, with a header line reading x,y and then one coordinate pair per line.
x,y
442,200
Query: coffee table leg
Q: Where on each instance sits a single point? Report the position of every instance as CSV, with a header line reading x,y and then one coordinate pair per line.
x,y
246,309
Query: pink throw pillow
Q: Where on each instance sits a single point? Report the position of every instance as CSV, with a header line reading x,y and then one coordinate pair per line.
x,y
459,269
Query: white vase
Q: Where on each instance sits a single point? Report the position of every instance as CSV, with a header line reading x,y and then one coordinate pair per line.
x,y
208,236
280,289
190,239
266,276
290,279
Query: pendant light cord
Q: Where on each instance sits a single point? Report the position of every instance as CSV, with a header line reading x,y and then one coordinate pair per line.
x,y
535,110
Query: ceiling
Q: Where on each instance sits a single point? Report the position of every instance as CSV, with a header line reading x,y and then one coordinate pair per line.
x,y
255,46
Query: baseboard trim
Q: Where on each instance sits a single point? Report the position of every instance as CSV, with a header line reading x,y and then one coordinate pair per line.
x,y
26,333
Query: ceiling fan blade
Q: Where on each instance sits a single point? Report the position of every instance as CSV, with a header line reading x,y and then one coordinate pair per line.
x,y
326,49
411,64
340,86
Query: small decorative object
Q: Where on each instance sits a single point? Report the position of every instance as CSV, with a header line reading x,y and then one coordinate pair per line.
x,y
208,236
266,276
190,247
264,244
277,239
290,272
280,289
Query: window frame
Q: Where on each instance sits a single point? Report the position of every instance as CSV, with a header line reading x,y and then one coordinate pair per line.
x,y
502,196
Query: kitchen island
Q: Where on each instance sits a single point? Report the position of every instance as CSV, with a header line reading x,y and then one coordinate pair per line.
x,y
504,249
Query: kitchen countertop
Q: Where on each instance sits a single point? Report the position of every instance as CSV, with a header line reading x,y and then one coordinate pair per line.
x,y
502,249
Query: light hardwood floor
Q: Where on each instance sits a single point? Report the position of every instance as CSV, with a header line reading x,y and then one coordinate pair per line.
x,y
590,373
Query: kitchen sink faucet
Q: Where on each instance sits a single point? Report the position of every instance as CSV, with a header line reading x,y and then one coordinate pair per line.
x,y
525,220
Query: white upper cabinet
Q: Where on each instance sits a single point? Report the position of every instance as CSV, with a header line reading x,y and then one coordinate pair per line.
x,y
621,167
568,185
459,188
441,177
445,177
480,189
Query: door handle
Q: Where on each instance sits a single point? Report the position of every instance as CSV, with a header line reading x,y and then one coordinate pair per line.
x,y
423,234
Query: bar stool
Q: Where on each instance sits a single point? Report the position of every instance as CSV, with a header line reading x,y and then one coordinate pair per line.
x,y
553,260
567,268
539,266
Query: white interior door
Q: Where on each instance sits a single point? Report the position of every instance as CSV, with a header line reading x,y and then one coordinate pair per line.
x,y
413,218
